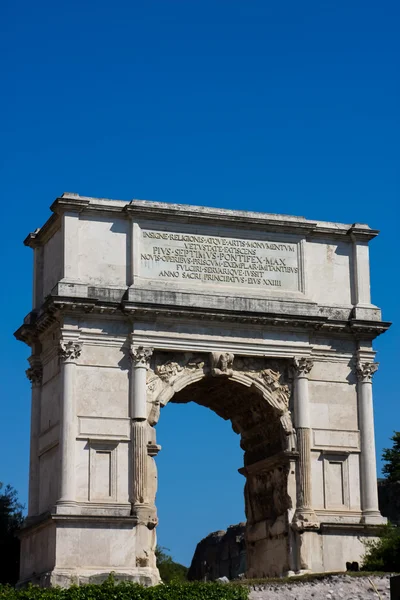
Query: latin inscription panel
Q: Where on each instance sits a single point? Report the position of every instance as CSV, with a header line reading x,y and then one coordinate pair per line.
x,y
219,261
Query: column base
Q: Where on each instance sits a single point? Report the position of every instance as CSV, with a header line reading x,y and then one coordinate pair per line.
x,y
145,514
305,519
65,507
373,517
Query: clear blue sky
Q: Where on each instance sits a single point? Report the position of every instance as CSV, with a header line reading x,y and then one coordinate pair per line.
x,y
288,107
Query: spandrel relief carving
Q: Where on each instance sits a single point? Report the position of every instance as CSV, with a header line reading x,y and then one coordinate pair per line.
x,y
168,370
273,381
221,363
169,366
273,375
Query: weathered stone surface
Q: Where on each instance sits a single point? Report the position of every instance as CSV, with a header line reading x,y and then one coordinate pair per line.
x,y
220,554
265,319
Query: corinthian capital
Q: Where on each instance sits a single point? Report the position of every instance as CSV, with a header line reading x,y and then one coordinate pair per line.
x,y
69,350
34,374
302,365
365,371
140,355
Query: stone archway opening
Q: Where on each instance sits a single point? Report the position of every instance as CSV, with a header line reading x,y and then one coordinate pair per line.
x,y
200,488
255,398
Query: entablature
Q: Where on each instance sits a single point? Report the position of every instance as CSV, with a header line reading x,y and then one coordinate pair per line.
x,y
317,320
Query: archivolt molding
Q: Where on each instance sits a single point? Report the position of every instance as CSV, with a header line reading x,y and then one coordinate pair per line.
x,y
171,372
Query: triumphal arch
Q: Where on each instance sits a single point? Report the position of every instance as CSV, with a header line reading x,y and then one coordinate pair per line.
x,y
265,319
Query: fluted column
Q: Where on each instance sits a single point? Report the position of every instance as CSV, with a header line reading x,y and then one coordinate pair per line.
x,y
34,374
139,442
369,487
305,517
69,352
141,508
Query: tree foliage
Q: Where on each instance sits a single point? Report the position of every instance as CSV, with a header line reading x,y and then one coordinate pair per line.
x,y
384,553
10,521
169,569
392,458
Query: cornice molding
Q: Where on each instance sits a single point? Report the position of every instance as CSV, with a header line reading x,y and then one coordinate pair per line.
x,y
241,219
361,232
40,236
182,213
55,307
69,203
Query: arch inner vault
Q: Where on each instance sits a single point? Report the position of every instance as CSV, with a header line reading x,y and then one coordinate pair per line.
x,y
255,398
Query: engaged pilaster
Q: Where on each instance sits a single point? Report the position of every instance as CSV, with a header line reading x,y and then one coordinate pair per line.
x,y
369,487
305,517
34,374
141,508
69,352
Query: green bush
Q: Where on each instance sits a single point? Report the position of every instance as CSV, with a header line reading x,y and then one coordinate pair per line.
x,y
170,571
392,458
10,521
384,553
130,591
